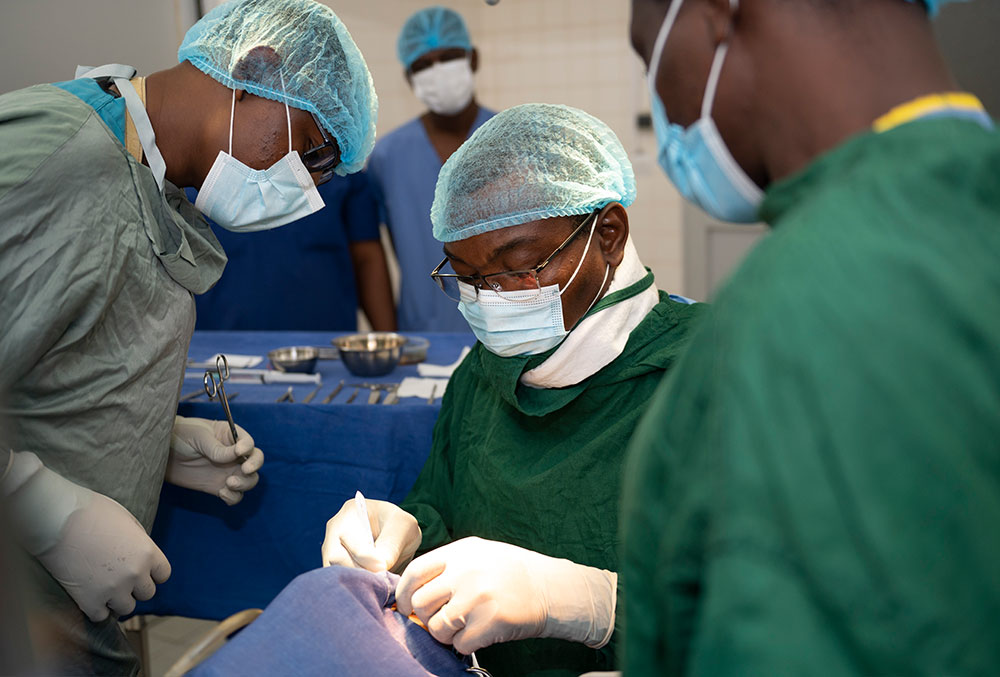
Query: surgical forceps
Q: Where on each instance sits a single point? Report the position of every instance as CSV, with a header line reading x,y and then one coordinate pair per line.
x,y
213,388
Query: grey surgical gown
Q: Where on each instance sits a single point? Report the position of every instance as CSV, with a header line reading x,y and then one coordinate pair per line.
x,y
97,271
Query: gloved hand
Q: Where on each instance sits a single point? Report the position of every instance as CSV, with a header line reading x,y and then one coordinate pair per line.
x,y
473,593
204,458
347,542
90,544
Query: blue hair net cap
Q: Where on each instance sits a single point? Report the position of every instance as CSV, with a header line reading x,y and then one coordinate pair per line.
x,y
528,163
295,51
933,6
429,29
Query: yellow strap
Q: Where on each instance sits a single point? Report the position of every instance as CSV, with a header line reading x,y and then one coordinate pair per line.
x,y
132,143
925,105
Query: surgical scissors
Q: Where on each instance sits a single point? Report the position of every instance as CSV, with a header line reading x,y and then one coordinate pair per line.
x,y
213,388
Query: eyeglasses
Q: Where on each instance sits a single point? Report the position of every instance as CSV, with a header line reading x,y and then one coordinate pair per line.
x,y
324,157
514,285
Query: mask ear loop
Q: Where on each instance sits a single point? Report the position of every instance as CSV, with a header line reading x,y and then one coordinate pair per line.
x,y
232,112
288,115
715,73
584,257
661,40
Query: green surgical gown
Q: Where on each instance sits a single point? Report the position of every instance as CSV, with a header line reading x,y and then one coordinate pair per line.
x,y
97,271
541,469
816,489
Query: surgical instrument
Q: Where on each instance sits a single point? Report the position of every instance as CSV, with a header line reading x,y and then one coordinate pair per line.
x,y
287,396
434,389
336,391
311,395
213,388
392,397
264,376
353,395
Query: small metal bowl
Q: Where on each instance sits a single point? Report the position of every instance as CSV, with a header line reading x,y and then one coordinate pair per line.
x,y
415,350
298,359
373,354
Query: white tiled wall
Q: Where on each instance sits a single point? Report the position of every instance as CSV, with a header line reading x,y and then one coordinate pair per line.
x,y
574,52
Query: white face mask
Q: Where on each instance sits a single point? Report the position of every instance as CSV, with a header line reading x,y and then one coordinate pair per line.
x,y
446,87
243,200
509,327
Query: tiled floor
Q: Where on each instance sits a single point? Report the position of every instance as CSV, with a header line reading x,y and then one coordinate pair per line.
x,y
169,637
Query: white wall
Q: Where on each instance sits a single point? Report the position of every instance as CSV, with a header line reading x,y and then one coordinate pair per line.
x,y
44,40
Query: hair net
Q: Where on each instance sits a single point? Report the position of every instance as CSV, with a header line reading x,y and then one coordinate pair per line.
x,y
430,29
312,64
528,163
933,5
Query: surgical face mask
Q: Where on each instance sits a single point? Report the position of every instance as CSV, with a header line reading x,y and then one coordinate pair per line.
x,y
446,87
696,159
243,200
512,325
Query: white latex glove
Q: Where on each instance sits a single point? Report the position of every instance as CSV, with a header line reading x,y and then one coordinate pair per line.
x,y
90,544
204,458
473,593
348,542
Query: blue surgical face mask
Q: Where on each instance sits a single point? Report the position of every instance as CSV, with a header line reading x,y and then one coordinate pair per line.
x,y
243,200
528,324
696,159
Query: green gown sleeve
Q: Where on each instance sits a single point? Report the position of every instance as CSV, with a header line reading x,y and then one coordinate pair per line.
x,y
430,500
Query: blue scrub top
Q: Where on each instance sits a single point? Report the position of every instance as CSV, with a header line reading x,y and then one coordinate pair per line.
x,y
299,276
404,168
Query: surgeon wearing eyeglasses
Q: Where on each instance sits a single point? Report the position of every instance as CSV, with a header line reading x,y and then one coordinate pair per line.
x,y
100,255
517,505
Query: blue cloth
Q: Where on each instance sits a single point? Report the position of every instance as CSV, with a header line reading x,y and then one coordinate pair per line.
x,y
334,621
110,108
404,168
300,276
316,456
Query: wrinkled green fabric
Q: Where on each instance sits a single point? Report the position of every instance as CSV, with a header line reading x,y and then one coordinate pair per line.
x,y
97,269
816,489
541,469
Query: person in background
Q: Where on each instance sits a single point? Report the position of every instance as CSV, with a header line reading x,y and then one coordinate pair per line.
x,y
816,489
516,507
439,62
100,256
310,277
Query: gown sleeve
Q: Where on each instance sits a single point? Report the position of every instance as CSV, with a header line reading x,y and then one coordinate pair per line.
x,y
431,498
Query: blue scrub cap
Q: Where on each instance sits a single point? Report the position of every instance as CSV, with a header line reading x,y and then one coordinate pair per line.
x,y
314,66
430,29
933,5
528,163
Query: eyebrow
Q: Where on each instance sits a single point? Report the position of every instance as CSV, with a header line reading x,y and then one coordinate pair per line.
x,y
499,251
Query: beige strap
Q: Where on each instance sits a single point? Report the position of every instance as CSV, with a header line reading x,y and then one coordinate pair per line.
x,y
132,143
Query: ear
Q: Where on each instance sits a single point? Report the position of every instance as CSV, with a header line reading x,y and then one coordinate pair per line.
x,y
409,77
721,17
474,59
612,233
239,94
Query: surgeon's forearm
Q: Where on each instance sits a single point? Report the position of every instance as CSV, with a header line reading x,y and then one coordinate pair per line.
x,y
371,274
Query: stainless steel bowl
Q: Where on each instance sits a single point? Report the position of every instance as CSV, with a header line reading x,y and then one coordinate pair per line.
x,y
415,350
373,354
299,359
